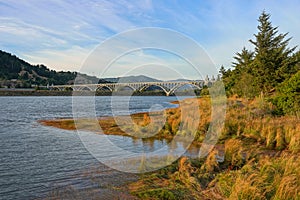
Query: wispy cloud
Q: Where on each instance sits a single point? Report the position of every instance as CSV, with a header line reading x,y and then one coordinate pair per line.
x,y
73,57
61,34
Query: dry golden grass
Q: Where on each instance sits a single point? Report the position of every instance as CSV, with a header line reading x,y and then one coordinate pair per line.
x,y
270,178
186,119
177,182
245,188
294,144
233,152
251,136
211,164
244,119
137,126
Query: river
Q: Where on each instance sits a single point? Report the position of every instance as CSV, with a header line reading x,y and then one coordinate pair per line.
x,y
35,159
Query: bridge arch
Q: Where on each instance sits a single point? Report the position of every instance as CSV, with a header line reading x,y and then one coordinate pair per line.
x,y
85,88
104,86
120,87
172,90
146,86
55,88
82,88
68,89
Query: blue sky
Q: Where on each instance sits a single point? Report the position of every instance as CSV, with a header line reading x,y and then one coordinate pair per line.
x,y
62,33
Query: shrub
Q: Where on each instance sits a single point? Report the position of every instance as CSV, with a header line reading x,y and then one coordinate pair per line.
x,y
288,99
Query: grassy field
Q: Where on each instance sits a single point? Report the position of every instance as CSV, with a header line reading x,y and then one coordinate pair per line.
x,y
260,159
260,151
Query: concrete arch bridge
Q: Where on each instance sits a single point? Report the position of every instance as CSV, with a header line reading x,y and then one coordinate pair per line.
x,y
168,87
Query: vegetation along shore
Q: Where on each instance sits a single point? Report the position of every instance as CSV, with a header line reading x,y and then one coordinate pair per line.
x,y
260,139
261,151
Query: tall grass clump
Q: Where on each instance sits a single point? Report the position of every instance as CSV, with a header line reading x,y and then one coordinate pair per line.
x,y
211,163
294,144
280,138
233,153
269,178
271,138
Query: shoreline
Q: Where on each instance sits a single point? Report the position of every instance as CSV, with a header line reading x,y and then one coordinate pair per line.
x,y
252,140
107,124
110,127
34,93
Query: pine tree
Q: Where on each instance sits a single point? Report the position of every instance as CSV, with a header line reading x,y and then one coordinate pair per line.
x,y
271,63
243,79
222,71
239,81
243,60
273,58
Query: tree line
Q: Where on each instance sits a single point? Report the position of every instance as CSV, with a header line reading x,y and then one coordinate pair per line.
x,y
13,68
272,68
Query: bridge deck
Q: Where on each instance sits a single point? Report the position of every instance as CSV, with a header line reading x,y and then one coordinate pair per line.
x,y
168,87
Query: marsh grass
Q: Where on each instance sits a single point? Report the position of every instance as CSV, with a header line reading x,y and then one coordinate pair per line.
x,y
175,181
233,153
270,178
261,153
211,163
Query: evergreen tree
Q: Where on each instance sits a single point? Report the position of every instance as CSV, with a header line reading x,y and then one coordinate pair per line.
x,y
222,71
242,78
239,80
271,63
243,60
273,59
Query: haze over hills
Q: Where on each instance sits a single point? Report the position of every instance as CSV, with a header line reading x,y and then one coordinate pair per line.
x,y
15,72
180,80
131,79
140,78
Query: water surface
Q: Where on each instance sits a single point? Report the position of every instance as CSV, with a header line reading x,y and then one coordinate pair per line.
x,y
34,159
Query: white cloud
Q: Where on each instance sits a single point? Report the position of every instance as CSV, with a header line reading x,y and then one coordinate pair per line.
x,y
69,59
62,33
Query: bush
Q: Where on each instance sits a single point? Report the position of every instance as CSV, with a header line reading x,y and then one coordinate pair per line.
x,y
287,99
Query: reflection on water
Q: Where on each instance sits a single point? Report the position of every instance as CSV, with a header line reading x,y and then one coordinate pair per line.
x,y
35,159
128,154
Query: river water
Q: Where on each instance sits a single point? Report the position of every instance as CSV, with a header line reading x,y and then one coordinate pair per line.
x,y
34,159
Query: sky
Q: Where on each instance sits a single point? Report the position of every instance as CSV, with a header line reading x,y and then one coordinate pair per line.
x,y
63,34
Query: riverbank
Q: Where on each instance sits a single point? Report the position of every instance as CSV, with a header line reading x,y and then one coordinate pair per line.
x,y
260,151
179,121
110,126
41,92
32,92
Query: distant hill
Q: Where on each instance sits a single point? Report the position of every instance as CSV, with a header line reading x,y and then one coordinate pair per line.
x,y
180,80
15,72
86,79
132,79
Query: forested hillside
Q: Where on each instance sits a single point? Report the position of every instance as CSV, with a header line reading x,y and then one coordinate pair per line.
x,y
15,72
